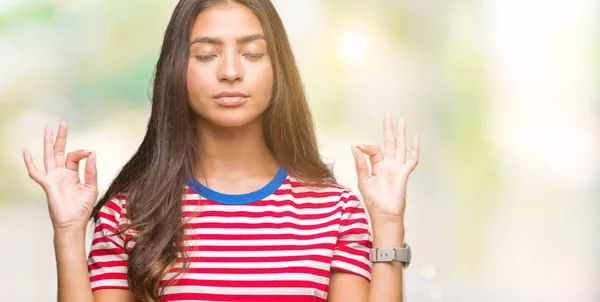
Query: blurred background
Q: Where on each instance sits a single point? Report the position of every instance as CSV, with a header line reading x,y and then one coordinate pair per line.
x,y
504,94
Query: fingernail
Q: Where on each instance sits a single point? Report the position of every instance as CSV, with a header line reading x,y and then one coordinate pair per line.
x,y
89,150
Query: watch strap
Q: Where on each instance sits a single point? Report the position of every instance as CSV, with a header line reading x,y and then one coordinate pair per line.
x,y
391,254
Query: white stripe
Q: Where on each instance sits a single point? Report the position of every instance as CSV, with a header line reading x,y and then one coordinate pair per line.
x,y
350,267
283,291
355,237
267,265
107,258
261,209
262,242
253,277
108,269
109,282
284,197
102,245
302,189
257,231
265,219
356,225
236,254
352,256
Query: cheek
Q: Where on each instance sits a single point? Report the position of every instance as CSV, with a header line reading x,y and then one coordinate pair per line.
x,y
196,80
264,80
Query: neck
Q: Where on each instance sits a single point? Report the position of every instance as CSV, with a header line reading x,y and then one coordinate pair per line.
x,y
234,152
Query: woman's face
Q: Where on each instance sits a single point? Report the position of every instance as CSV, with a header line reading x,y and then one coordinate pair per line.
x,y
229,74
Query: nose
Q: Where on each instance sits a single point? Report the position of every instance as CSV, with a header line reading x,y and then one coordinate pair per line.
x,y
231,69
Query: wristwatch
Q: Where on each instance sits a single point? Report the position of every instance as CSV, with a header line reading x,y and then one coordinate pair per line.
x,y
391,254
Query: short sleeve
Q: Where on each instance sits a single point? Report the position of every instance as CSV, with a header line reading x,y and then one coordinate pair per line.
x,y
351,253
107,260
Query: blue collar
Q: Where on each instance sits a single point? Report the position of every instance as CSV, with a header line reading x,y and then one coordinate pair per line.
x,y
245,198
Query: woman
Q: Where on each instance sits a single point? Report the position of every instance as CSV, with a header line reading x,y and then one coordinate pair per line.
x,y
229,116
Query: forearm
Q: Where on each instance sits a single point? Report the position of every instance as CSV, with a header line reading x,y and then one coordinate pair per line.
x,y
71,265
386,278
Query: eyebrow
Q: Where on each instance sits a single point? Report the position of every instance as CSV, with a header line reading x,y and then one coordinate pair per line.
x,y
219,41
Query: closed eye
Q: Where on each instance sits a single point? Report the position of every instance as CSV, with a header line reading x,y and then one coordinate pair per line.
x,y
205,58
254,55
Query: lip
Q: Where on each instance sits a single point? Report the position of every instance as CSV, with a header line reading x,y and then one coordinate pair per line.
x,y
230,101
230,98
226,94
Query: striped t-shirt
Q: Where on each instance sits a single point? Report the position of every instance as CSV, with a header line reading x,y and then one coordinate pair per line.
x,y
278,243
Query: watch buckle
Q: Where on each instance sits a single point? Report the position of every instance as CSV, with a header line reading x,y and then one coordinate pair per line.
x,y
386,254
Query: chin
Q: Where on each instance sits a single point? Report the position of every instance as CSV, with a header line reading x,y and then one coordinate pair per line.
x,y
231,118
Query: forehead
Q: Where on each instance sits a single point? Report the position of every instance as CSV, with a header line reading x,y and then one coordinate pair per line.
x,y
226,21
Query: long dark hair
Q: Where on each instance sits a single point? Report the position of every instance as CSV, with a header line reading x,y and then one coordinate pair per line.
x,y
154,178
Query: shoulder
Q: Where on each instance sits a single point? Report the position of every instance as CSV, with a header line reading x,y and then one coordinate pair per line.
x,y
114,206
331,192
112,216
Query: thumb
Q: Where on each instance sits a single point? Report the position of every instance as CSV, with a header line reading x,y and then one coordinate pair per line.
x,y
91,173
362,169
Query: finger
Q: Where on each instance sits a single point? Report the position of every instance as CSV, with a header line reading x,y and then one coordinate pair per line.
x,y
49,162
412,162
33,171
388,135
59,145
362,168
73,159
373,151
401,142
90,174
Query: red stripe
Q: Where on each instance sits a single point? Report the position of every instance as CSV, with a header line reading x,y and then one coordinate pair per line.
x,y
350,272
319,258
108,276
248,283
244,298
309,194
267,202
250,248
105,239
351,261
354,250
113,205
109,287
231,237
264,225
347,222
103,264
107,252
105,226
108,216
246,271
261,214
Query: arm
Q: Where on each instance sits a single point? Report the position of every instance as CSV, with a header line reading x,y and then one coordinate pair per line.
x,y
386,282
73,281
72,270
383,188
70,203
386,279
